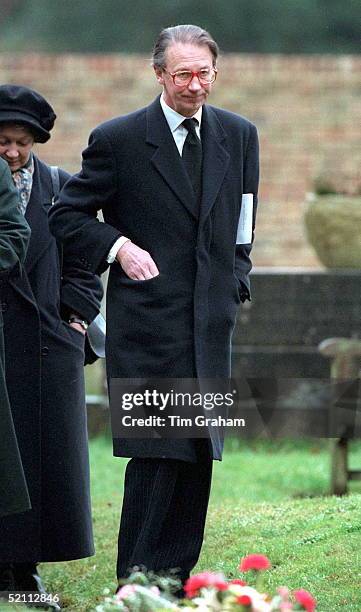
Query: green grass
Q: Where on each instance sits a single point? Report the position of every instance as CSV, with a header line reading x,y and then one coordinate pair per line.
x,y
267,497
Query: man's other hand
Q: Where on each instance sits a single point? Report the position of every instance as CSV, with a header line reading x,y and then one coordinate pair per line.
x,y
78,328
136,263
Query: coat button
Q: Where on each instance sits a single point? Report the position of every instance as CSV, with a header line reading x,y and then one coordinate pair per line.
x,y
44,351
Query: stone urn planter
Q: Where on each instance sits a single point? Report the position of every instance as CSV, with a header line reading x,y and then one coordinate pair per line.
x,y
333,225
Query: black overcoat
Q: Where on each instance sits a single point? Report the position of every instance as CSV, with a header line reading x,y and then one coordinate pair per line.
x,y
14,237
180,323
45,381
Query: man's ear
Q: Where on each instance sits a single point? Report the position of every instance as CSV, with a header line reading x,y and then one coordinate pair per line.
x,y
159,75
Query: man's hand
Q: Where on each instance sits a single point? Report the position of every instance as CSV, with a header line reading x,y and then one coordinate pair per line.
x,y
78,328
136,263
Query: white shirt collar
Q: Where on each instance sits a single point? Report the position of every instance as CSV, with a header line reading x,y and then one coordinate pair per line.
x,y
174,119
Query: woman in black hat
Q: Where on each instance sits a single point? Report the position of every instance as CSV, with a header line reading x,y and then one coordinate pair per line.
x,y
46,315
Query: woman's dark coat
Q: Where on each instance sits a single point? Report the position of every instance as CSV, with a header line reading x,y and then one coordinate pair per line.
x,y
180,323
14,237
46,388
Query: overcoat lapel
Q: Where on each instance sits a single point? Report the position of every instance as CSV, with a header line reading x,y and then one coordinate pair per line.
x,y
215,159
167,160
37,216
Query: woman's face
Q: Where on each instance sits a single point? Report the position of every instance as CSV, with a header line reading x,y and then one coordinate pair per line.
x,y
15,145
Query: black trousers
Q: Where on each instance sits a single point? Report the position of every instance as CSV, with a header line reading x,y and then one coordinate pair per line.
x,y
164,512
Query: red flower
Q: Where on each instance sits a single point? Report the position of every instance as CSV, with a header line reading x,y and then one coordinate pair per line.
x,y
254,562
221,585
238,581
204,580
305,599
244,600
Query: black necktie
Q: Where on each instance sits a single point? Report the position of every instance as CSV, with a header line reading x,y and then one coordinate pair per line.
x,y
192,157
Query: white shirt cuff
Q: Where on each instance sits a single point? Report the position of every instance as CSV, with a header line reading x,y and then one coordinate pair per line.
x,y
115,248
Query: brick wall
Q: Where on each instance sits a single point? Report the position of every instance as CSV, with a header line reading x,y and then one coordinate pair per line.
x,y
307,109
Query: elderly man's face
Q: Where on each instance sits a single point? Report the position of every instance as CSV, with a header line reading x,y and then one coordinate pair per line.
x,y
15,145
185,99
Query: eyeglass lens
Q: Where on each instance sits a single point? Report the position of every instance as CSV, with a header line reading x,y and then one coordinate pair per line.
x,y
204,76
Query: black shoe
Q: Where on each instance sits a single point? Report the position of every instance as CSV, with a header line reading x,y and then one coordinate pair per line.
x,y
7,578
28,580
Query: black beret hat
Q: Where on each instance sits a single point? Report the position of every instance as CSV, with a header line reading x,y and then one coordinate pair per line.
x,y
20,104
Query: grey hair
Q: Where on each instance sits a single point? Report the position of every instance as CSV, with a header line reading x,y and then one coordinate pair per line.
x,y
186,34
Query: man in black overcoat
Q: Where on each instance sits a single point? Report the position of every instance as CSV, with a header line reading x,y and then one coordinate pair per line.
x,y
14,238
171,181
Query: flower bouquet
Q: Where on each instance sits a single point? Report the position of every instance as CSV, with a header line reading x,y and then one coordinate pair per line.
x,y
207,592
